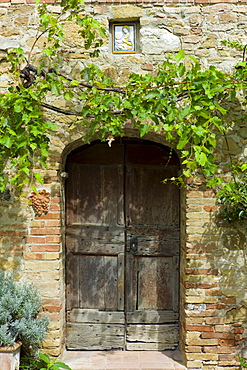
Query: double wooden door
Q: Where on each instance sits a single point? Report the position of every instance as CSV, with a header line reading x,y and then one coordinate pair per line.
x,y
122,247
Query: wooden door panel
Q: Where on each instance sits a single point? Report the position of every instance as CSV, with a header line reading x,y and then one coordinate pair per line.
x,y
95,246
98,282
96,316
155,283
95,195
94,239
95,336
90,329
154,241
152,337
152,283
150,201
152,215
151,317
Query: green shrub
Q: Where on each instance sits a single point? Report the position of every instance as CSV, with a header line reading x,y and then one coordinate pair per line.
x,y
43,362
19,321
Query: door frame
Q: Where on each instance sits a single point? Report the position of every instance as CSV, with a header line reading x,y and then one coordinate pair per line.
x,y
155,139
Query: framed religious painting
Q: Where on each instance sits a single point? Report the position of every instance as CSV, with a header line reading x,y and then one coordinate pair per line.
x,y
124,38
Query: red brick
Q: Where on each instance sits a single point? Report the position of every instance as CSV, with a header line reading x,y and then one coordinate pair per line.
x,y
54,207
218,335
55,199
228,300
33,256
238,330
53,239
46,231
52,308
213,292
226,343
199,327
216,306
46,248
191,271
210,208
35,239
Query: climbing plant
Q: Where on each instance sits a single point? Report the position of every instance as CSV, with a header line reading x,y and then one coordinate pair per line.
x,y
188,104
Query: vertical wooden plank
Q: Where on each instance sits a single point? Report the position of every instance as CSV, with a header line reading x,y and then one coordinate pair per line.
x,y
120,195
131,282
176,283
72,289
92,282
109,195
111,276
120,282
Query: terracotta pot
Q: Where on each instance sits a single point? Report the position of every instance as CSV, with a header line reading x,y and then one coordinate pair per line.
x,y
10,357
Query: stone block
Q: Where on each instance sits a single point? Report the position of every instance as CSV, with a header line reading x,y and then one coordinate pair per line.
x,y
195,299
7,43
194,364
209,42
126,12
227,17
236,315
202,356
233,147
202,342
156,41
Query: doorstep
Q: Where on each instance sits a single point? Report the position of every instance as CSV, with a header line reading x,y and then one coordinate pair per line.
x,y
123,360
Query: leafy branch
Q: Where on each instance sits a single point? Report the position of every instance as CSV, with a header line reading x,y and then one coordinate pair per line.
x,y
188,106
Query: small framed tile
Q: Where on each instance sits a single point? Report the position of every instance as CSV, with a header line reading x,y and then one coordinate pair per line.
x,y
124,38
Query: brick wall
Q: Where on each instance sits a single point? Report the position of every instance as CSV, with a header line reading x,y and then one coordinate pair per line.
x,y
213,302
210,337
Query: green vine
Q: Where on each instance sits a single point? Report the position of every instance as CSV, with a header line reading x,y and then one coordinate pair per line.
x,y
189,106
233,195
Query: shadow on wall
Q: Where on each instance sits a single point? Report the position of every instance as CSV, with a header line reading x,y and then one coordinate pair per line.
x,y
222,260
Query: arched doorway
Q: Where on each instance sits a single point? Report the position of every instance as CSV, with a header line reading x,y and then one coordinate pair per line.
x,y
122,247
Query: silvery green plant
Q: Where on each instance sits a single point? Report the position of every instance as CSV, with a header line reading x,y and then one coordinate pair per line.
x,y
19,315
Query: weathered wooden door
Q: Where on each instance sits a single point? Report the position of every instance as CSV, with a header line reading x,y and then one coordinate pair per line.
x,y
122,247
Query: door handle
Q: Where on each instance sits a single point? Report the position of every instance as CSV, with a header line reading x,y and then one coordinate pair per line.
x,y
133,245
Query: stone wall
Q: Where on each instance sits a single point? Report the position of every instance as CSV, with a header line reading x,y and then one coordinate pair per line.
x,y
213,276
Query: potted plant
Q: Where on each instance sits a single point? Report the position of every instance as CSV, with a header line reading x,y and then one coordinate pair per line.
x,y
20,325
